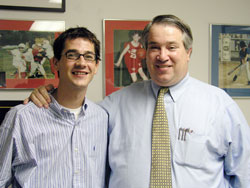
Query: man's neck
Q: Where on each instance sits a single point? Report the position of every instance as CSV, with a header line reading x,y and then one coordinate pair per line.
x,y
69,99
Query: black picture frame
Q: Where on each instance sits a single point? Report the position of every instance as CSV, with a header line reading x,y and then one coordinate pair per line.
x,y
5,106
47,8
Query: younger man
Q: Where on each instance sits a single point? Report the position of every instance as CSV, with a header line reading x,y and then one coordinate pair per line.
x,y
64,145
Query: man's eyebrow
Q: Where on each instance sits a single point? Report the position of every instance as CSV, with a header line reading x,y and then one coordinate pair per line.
x,y
71,50
74,50
152,43
168,43
90,52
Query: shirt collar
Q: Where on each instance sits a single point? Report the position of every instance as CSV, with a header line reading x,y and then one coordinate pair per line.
x,y
175,91
54,105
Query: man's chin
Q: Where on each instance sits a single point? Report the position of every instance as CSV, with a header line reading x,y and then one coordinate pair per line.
x,y
164,81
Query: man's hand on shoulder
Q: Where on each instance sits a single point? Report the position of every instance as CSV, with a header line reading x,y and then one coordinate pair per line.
x,y
40,96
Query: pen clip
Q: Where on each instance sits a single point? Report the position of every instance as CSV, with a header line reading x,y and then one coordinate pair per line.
x,y
183,133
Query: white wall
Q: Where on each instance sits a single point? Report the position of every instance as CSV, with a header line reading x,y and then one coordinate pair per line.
x,y
197,13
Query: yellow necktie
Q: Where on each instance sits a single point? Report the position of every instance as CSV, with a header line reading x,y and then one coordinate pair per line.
x,y
161,154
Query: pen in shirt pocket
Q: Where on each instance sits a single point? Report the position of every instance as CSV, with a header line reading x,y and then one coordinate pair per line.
x,y
183,133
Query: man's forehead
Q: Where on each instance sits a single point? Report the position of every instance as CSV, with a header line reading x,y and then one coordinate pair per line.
x,y
76,45
160,39
164,26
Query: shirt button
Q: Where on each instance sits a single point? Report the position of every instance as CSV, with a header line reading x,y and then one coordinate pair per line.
x,y
76,149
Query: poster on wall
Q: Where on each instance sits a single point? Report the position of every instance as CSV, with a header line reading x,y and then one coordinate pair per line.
x,y
26,53
124,53
230,54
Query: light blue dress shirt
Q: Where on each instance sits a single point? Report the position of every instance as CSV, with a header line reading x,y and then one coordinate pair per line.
x,y
44,148
210,138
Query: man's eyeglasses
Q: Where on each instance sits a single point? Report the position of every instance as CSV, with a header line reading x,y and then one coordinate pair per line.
x,y
89,57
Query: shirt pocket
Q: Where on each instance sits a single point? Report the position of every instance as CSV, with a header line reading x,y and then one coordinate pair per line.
x,y
191,152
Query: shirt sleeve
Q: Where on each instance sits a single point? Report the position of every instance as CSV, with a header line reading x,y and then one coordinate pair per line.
x,y
237,160
6,148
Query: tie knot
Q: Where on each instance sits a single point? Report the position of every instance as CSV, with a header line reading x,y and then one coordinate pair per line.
x,y
163,90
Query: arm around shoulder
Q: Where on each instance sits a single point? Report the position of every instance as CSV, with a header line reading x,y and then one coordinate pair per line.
x,y
40,96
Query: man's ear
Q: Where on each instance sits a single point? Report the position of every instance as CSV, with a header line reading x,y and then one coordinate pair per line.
x,y
97,66
56,63
189,52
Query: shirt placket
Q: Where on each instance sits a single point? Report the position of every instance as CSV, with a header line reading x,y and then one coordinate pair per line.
x,y
76,163
76,160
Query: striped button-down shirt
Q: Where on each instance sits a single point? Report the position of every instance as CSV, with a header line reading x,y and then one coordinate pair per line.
x,y
50,148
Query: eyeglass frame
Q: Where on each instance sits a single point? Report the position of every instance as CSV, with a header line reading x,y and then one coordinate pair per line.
x,y
79,55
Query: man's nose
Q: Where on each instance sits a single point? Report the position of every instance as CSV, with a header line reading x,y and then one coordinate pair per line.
x,y
163,55
81,60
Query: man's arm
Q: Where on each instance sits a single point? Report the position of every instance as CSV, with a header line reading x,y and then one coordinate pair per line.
x,y
237,161
40,96
6,149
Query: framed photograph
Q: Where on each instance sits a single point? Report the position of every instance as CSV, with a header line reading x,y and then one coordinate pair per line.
x,y
26,53
34,5
5,106
230,54
124,54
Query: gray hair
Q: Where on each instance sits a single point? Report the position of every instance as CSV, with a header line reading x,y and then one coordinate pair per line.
x,y
170,20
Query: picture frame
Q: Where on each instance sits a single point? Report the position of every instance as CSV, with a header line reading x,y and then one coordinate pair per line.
x,y
117,36
34,5
26,54
5,107
228,70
